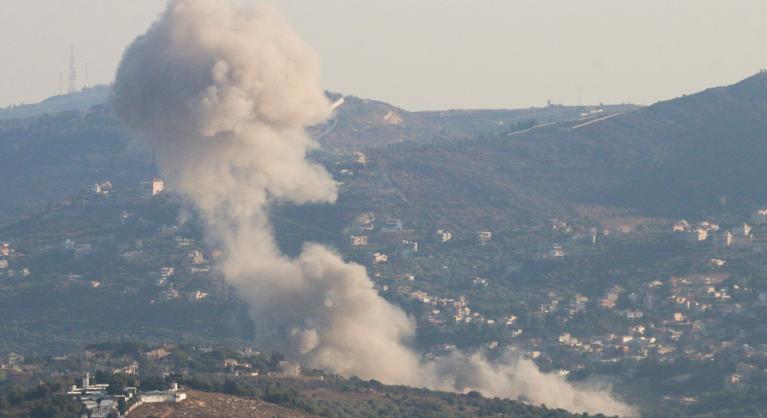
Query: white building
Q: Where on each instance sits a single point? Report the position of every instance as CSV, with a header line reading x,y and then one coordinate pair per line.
x,y
484,237
360,158
196,257
102,188
681,226
172,395
392,226
152,188
557,251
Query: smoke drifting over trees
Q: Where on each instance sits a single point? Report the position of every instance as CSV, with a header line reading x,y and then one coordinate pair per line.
x,y
221,95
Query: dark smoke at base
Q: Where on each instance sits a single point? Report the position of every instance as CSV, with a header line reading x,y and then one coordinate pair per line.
x,y
222,97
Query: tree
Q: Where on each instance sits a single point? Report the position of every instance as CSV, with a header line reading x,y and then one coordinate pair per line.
x,y
280,395
57,406
115,388
118,382
122,406
152,383
275,360
15,395
39,392
103,376
232,387
474,395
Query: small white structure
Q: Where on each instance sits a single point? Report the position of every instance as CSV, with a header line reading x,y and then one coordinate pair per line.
x,y
5,249
104,408
392,118
14,360
718,262
166,272
484,237
410,246
682,226
392,226
196,257
163,397
184,242
102,188
290,368
152,188
557,251
172,395
444,235
360,158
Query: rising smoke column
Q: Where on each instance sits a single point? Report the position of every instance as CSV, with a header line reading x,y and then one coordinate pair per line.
x,y
221,96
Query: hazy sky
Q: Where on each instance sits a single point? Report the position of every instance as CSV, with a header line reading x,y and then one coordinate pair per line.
x,y
435,54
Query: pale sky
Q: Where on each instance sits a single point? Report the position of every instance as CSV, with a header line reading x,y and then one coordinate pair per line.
x,y
435,54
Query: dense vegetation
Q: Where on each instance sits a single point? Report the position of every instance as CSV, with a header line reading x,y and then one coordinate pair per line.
x,y
316,392
46,400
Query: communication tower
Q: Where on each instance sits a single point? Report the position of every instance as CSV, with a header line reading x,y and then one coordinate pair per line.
x,y
72,87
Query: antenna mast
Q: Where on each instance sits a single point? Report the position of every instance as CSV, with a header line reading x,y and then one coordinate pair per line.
x,y
72,87
85,78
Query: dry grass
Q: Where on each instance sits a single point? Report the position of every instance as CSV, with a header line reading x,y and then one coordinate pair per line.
x,y
215,405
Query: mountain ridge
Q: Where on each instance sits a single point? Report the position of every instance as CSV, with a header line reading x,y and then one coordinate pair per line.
x,y
556,157
693,156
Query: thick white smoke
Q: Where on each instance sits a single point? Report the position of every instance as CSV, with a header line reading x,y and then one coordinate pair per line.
x,y
222,95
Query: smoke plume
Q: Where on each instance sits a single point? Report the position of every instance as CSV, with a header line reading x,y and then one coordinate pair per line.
x,y
222,95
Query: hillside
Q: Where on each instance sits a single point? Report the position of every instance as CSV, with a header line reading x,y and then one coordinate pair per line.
x,y
49,157
213,405
81,101
523,164
65,144
362,123
694,156
689,157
